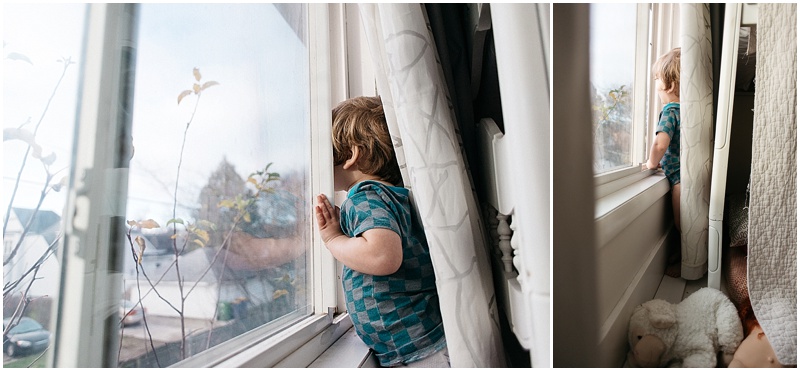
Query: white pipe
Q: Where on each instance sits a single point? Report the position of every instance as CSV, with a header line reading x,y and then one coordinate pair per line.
x,y
719,170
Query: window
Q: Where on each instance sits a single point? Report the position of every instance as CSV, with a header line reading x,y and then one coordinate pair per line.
x,y
618,54
187,227
42,46
221,138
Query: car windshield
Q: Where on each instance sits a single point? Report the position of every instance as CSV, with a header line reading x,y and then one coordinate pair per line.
x,y
25,325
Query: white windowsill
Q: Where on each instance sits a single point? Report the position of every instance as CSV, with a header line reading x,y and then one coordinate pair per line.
x,y
349,351
615,211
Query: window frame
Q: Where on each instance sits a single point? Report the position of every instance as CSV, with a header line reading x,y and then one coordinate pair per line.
x,y
639,98
89,286
616,179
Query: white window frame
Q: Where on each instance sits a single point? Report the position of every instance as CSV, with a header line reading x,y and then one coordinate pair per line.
x,y
89,291
615,180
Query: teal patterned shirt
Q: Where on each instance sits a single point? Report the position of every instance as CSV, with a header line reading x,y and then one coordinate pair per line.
x,y
396,315
669,122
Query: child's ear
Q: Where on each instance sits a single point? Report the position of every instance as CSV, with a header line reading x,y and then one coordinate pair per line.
x,y
354,155
673,89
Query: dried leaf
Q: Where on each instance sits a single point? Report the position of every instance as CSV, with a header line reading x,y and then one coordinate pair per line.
x,y
208,85
196,73
196,88
131,223
142,245
278,293
202,234
225,203
246,217
252,180
199,242
18,57
183,94
148,224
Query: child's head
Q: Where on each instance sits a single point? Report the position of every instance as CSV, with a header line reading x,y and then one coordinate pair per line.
x,y
668,69
360,122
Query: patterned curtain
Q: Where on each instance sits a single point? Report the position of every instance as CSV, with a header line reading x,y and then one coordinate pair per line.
x,y
422,125
697,138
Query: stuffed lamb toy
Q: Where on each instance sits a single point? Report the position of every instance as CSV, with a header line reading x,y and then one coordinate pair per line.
x,y
689,334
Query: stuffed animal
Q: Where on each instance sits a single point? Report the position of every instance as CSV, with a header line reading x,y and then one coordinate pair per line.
x,y
689,334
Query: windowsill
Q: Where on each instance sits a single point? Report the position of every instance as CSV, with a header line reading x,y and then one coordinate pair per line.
x,y
348,352
616,210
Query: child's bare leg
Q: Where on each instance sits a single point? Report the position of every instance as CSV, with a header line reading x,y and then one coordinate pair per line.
x,y
674,258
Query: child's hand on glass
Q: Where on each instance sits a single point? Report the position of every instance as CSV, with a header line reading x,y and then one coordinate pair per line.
x,y
327,219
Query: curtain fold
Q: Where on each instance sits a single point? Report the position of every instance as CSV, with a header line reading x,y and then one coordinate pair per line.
x,y
422,125
697,138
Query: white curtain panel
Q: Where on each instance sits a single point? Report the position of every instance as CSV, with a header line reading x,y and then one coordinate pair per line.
x,y
422,125
697,138
772,249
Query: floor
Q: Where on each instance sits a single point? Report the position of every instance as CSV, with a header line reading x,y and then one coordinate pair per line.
x,y
674,290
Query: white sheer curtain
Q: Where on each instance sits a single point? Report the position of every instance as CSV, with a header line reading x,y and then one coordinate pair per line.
x,y
422,124
697,138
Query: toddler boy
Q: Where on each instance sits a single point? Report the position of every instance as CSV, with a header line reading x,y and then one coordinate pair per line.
x,y
388,278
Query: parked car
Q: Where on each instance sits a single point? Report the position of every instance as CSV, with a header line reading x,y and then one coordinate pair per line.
x,y
130,313
27,336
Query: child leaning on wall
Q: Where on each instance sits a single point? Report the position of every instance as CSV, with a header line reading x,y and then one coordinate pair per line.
x,y
665,152
388,278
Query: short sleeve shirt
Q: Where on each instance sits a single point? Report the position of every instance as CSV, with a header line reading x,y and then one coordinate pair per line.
x,y
396,315
669,122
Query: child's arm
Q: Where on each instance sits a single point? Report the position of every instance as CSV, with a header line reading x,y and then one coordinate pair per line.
x,y
378,251
659,148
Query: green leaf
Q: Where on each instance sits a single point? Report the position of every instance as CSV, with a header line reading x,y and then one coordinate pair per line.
x,y
176,221
225,203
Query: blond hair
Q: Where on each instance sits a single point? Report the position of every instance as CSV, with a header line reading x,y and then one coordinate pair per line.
x,y
360,122
667,68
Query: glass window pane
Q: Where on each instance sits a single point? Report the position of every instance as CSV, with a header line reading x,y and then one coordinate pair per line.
x,y
219,180
42,46
612,62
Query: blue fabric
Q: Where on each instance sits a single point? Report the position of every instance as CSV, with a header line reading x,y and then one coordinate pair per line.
x,y
669,122
396,315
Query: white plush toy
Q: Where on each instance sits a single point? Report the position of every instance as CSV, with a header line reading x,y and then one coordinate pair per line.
x,y
689,334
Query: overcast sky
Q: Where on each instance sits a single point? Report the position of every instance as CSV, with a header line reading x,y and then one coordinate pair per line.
x,y
613,41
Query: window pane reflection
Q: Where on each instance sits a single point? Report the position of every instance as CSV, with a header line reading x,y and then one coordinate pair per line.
x,y
42,46
219,179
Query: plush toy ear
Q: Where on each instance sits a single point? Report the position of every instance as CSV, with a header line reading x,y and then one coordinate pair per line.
x,y
661,314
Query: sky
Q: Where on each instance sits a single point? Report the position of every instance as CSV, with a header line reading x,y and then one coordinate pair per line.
x,y
254,116
613,42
